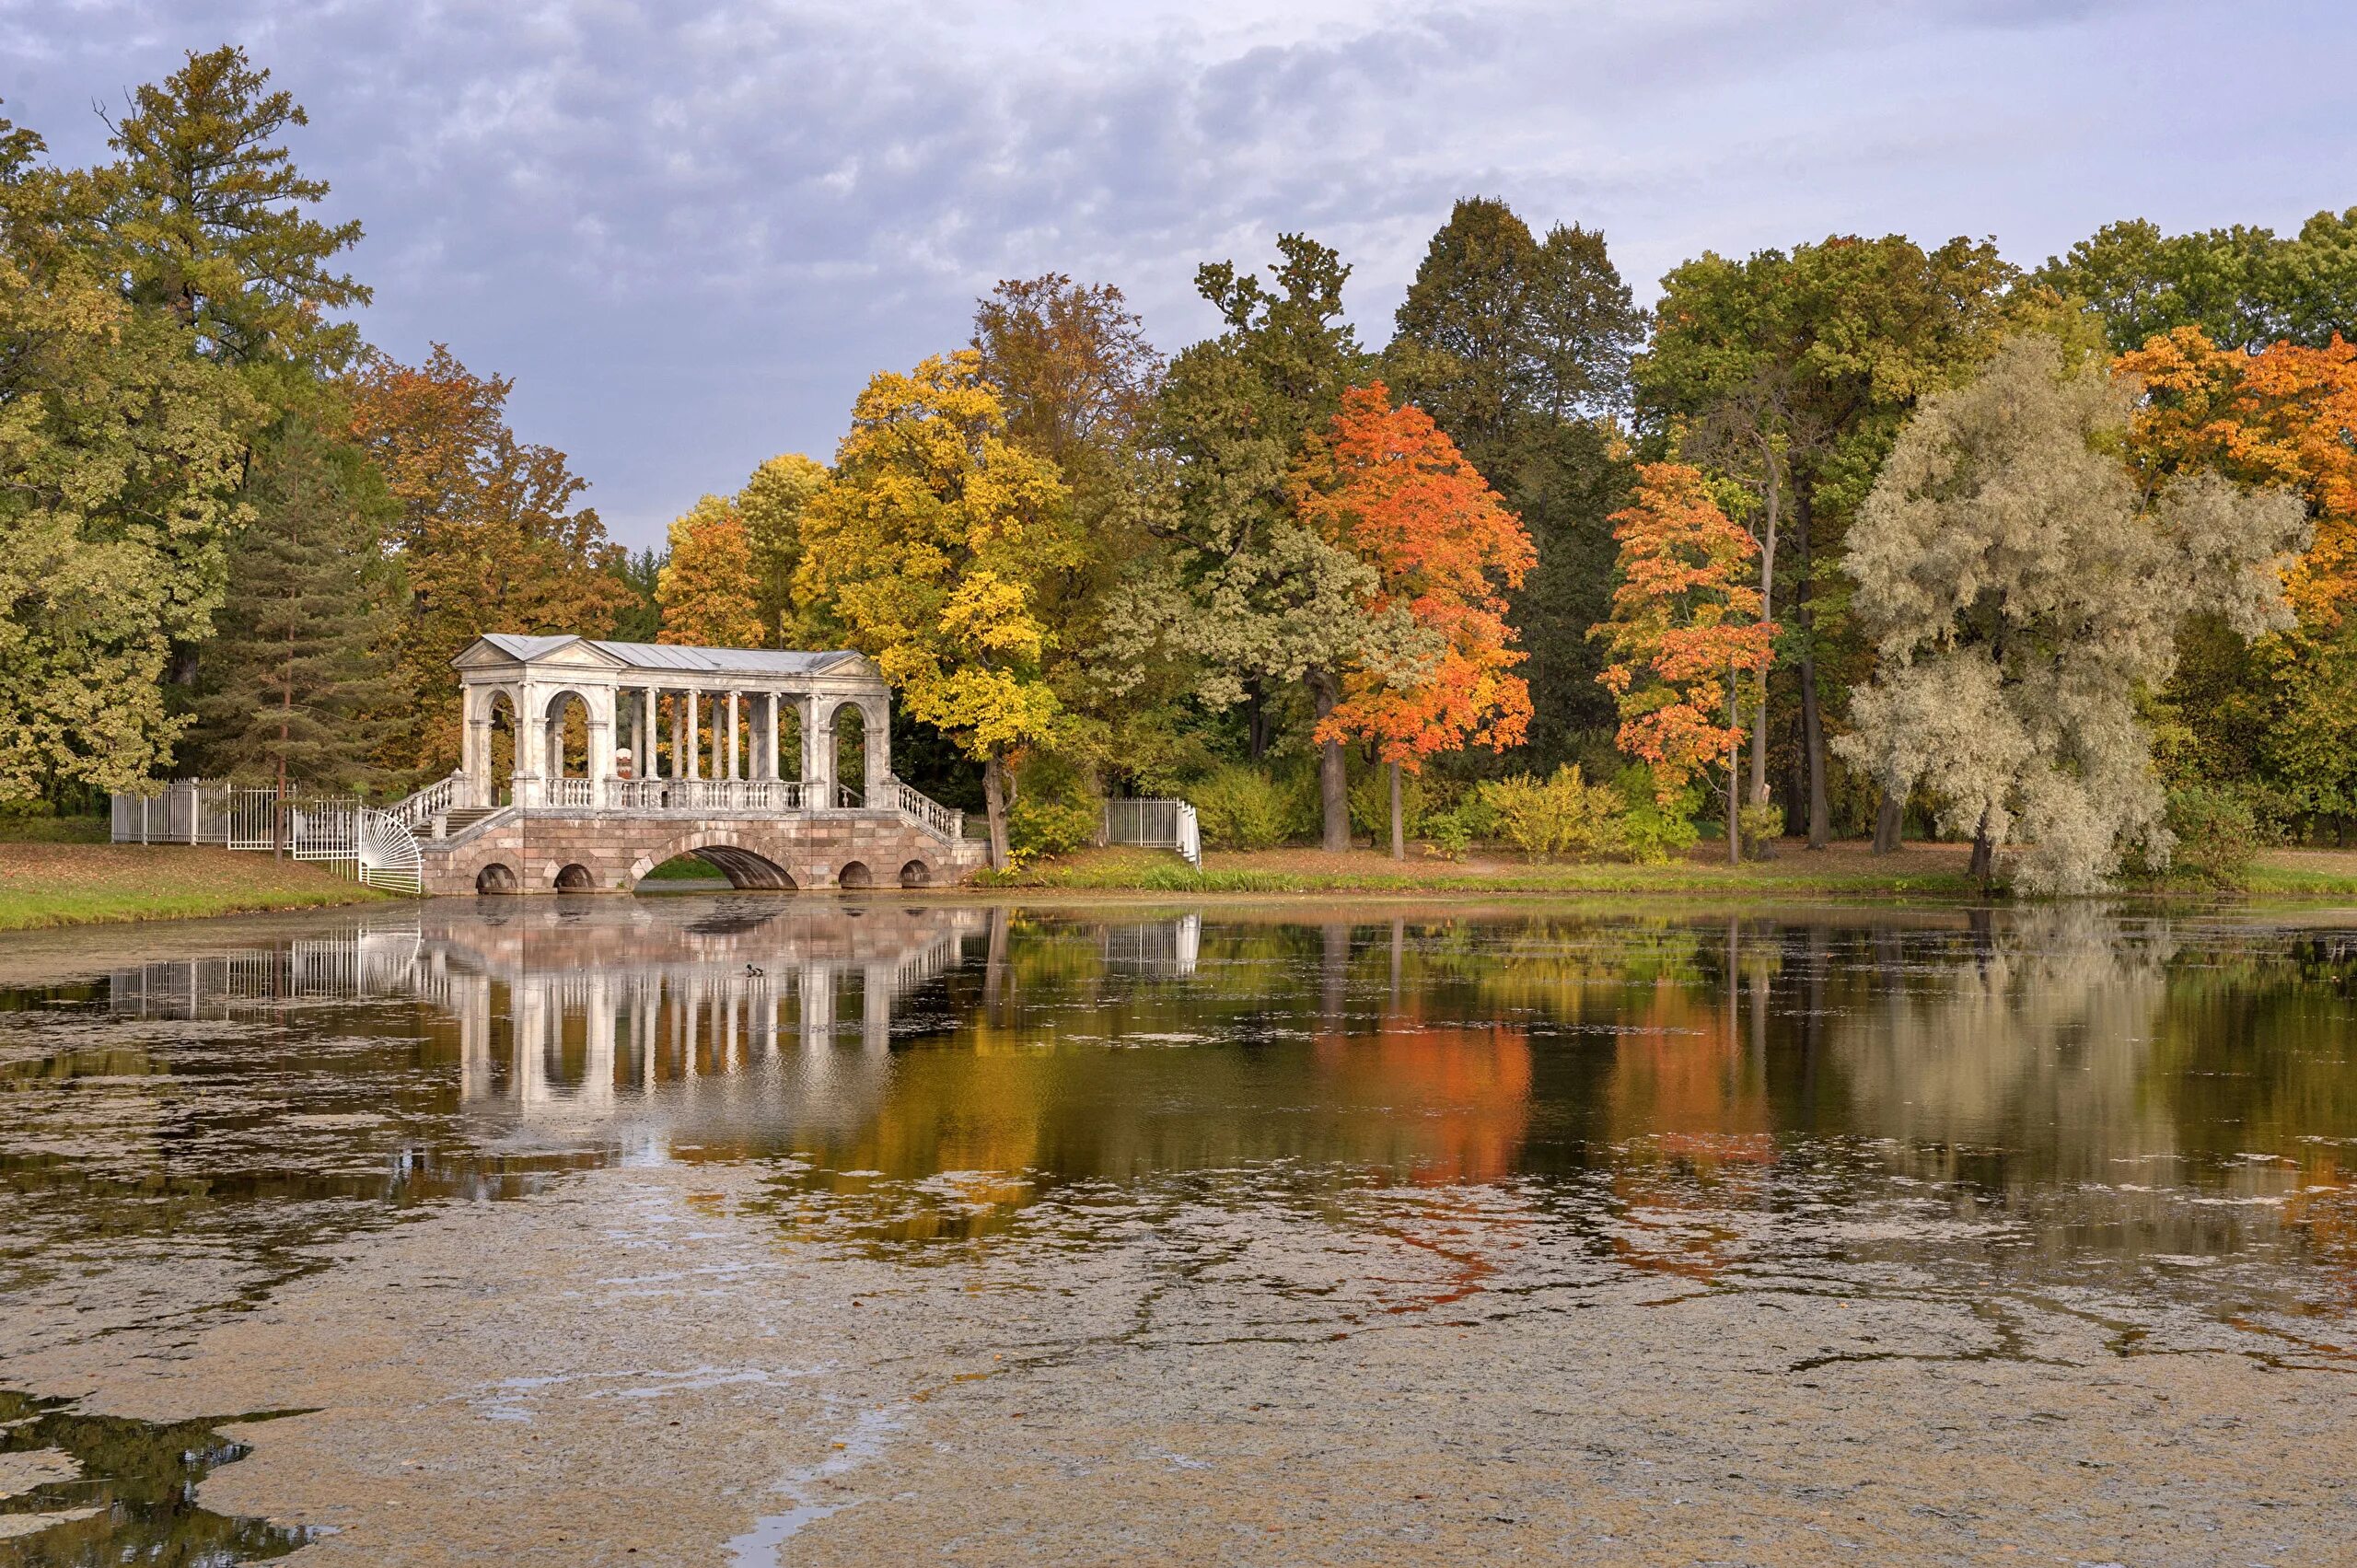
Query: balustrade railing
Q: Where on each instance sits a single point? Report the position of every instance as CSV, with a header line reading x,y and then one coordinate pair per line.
x,y
571,792
436,799
700,796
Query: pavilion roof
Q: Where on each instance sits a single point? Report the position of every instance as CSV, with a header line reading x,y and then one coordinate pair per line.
x,y
667,655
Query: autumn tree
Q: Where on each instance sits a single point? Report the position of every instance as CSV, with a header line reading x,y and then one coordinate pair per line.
x,y
1686,630
2022,589
120,455
2274,716
295,689
929,547
1072,365
1834,344
771,504
1389,484
1246,597
490,535
205,213
1519,348
706,588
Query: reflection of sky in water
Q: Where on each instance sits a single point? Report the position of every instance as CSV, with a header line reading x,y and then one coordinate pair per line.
x,y
2060,1091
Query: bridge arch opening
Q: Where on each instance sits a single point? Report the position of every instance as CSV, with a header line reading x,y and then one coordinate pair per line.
x,y
916,874
496,878
575,880
745,869
855,874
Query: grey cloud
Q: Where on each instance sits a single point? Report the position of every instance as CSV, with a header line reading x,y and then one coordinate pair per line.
x,y
691,230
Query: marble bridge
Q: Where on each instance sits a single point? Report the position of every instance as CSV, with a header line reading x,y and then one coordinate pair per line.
x,y
625,755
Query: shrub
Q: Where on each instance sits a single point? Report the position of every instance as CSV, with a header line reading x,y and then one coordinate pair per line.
x,y
1449,834
1759,826
1566,815
1241,807
1042,824
2217,833
1371,804
1651,833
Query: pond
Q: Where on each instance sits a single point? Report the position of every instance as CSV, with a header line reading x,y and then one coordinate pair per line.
x,y
745,1229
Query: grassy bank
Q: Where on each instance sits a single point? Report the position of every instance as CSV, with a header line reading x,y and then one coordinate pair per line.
x,y
1845,869
45,885
1848,869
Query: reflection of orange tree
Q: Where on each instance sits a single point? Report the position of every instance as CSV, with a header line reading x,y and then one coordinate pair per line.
x,y
1458,1094
1692,1131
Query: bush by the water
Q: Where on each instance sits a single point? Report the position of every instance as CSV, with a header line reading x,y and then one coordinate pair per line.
x,y
1564,816
1239,807
2218,836
1048,825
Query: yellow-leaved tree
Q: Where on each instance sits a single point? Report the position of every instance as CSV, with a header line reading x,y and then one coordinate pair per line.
x,y
932,546
705,589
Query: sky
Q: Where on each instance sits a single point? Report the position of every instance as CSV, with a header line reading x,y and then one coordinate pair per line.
x,y
690,232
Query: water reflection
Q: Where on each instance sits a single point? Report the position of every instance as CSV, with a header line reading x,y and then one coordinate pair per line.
x,y
2128,1087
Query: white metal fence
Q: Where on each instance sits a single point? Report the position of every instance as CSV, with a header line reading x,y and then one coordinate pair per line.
x,y
341,832
1156,824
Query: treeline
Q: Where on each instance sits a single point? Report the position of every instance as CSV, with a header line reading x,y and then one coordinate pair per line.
x,y
1853,538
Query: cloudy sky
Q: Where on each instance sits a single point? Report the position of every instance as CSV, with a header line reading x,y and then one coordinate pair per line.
x,y
690,229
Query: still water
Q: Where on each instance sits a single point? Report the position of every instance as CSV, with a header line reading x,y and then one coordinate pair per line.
x,y
1994,1120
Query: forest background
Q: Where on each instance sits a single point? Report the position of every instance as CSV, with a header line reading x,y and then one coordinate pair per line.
x,y
1857,537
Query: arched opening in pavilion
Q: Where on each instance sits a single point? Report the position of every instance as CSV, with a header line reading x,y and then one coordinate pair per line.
x,y
851,754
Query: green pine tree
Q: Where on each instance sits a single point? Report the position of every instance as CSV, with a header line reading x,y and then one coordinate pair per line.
x,y
296,677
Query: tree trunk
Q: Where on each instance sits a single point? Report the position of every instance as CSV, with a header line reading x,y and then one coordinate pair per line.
x,y
1399,824
1256,719
1735,774
994,794
1983,869
1812,717
1333,782
1768,610
1890,824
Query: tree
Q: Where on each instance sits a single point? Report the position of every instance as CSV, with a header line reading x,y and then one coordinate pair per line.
x,y
2268,715
1852,334
640,573
1078,378
929,546
1244,596
205,215
119,457
295,686
1684,633
490,535
1519,349
2244,287
772,504
1387,484
706,588
2021,591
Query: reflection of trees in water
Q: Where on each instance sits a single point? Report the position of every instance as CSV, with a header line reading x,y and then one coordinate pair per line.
x,y
2036,1037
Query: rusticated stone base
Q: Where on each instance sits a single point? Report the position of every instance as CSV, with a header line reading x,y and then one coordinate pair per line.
x,y
607,852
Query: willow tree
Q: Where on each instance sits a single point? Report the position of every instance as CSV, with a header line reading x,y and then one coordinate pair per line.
x,y
931,546
2023,591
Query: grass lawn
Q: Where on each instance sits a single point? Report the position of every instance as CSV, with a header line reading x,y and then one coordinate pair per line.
x,y
1916,871
65,884
1848,869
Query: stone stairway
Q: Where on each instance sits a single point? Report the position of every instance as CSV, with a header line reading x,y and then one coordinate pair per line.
x,y
458,822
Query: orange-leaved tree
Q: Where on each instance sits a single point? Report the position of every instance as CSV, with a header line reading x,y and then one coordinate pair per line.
x,y
492,535
706,588
1683,630
2277,714
1386,483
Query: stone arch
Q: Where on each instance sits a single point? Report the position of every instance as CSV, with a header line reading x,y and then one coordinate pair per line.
x,y
855,874
849,725
576,878
498,783
916,874
565,719
745,866
496,878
